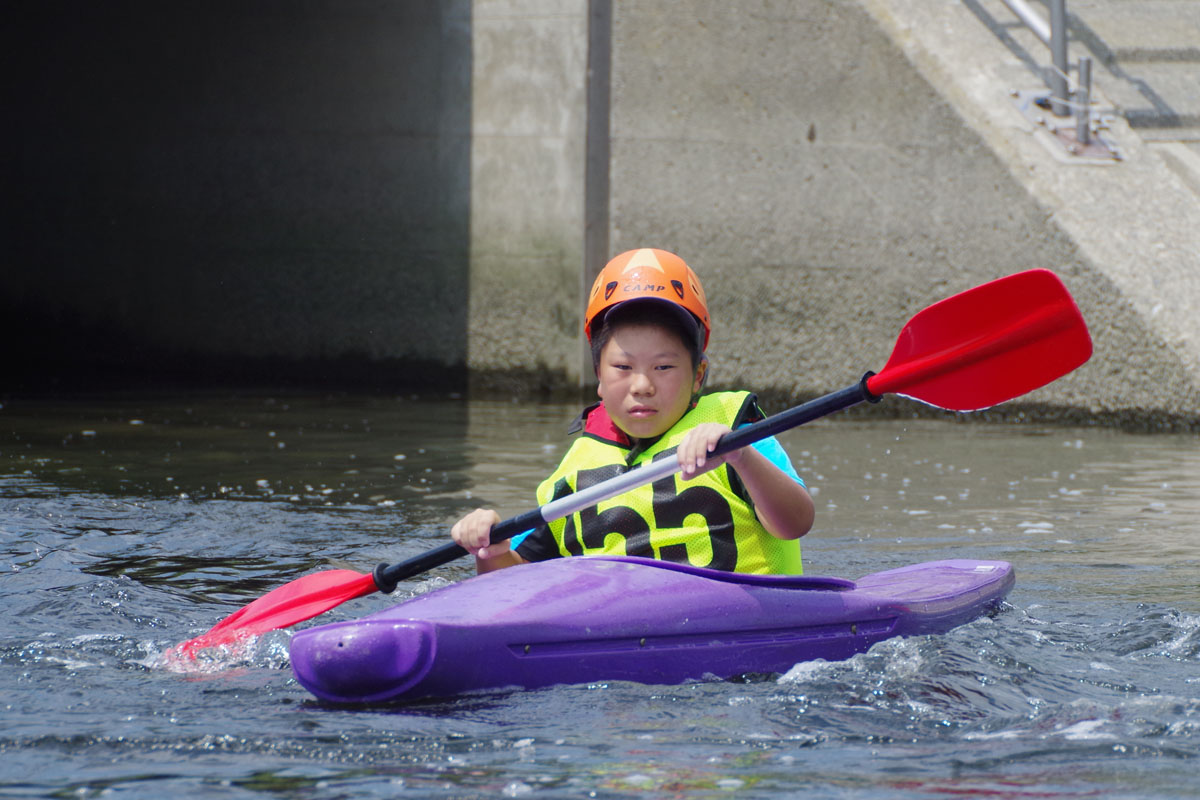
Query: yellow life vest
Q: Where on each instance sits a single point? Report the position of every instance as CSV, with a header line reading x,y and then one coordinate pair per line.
x,y
705,521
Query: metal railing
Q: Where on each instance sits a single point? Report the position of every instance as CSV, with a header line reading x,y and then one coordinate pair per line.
x,y
1054,35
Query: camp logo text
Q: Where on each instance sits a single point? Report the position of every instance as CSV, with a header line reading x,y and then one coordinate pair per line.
x,y
642,288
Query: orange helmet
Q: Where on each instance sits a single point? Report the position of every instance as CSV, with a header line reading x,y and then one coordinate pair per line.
x,y
647,274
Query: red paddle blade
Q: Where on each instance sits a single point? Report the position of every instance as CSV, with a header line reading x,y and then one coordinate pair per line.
x,y
988,344
296,601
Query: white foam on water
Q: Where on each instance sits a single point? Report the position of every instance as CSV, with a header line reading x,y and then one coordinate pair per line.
x,y
1086,730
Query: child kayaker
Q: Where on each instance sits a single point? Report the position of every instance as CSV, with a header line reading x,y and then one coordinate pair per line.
x,y
648,326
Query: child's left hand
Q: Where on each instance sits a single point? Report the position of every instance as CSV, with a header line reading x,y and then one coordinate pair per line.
x,y
695,449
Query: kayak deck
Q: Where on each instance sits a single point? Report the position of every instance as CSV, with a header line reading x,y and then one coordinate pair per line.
x,y
576,620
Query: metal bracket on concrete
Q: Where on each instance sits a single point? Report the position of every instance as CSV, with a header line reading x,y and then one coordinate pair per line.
x,y
1060,134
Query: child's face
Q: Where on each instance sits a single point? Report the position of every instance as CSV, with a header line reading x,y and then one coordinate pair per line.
x,y
646,379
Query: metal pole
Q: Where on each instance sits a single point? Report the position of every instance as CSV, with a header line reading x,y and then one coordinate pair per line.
x,y
1059,98
1083,102
1032,19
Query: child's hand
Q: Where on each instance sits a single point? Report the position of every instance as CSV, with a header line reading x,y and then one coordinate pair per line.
x,y
694,451
472,531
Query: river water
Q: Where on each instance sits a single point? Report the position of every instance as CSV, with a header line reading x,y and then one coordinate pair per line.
x,y
130,524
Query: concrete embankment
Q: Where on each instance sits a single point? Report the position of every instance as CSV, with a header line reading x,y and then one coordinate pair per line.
x,y
831,167
1134,223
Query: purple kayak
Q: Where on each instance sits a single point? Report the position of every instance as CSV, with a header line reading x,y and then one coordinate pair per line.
x,y
576,620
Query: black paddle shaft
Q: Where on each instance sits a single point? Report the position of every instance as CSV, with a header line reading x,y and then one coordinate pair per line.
x,y
794,417
387,576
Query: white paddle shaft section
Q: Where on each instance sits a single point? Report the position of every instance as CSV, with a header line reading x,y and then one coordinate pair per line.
x,y
639,476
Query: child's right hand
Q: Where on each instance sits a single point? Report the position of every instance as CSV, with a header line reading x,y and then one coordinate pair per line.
x,y
472,533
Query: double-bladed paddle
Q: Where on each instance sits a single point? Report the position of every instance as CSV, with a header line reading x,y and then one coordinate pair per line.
x,y
967,352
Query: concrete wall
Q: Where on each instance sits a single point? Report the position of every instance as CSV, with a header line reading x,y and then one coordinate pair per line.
x,y
527,194
270,188
402,192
